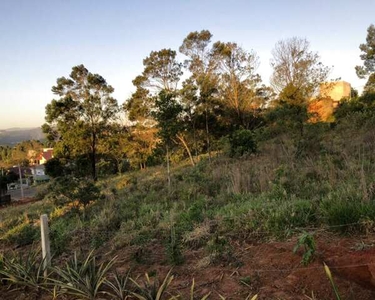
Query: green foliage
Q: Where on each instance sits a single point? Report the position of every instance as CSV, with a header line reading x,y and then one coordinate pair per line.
x,y
167,114
242,142
83,277
173,248
306,241
54,168
27,272
61,233
22,234
368,54
73,190
346,213
79,118
287,117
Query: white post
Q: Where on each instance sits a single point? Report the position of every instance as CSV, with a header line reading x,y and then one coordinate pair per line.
x,y
46,250
19,170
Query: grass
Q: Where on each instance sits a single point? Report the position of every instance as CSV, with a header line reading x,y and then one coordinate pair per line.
x,y
262,196
272,195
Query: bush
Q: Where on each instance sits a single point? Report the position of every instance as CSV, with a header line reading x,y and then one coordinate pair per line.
x,y
54,168
242,142
71,189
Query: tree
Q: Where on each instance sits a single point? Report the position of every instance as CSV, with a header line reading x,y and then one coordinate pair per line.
x,y
297,71
167,115
82,112
54,168
73,190
368,54
116,144
141,143
239,85
138,107
162,71
369,87
190,104
196,46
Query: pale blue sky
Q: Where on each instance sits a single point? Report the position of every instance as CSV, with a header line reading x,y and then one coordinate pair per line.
x,y
42,40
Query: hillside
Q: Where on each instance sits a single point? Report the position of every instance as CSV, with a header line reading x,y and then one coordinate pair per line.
x,y
232,224
12,136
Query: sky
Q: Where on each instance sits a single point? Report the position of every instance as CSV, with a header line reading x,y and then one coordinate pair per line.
x,y
42,40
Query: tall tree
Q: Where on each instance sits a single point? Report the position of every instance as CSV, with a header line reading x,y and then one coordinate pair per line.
x,y
368,57
369,87
139,106
297,71
84,108
368,54
240,85
196,46
167,114
161,71
141,140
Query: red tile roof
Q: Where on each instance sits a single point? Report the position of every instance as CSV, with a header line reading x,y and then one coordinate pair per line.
x,y
47,154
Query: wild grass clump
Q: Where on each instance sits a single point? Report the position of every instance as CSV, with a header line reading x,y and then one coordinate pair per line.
x,y
22,234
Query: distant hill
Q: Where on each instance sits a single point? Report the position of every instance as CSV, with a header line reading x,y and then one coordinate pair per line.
x,y
12,136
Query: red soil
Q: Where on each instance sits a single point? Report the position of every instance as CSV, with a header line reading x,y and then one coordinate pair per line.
x,y
270,270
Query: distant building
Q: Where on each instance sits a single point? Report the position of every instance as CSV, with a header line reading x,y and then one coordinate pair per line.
x,y
38,170
330,95
335,90
45,155
38,173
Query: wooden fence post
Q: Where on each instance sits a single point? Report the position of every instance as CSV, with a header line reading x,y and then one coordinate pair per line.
x,y
46,249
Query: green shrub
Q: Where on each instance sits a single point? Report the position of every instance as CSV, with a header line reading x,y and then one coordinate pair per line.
x,y
173,248
242,142
306,241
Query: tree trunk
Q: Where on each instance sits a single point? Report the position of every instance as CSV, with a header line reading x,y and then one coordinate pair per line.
x,y
195,140
208,136
93,157
182,140
168,168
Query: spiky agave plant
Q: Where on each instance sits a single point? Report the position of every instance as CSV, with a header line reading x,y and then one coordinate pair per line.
x,y
148,290
24,272
84,279
118,286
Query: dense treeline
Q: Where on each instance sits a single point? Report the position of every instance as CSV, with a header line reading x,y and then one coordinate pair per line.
x,y
212,101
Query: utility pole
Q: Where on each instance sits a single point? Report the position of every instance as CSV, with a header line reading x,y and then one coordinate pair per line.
x,y
19,171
